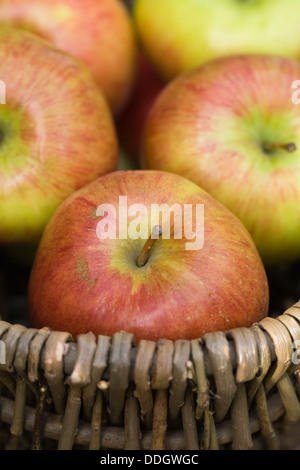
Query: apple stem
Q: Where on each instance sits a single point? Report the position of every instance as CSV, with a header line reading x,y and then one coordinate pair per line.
x,y
144,255
289,147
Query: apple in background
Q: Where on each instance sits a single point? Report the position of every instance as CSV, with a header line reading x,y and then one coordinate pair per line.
x,y
178,35
231,127
98,32
131,122
57,133
82,283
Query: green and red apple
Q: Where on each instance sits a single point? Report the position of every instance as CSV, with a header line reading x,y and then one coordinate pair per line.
x,y
56,133
178,35
98,32
232,127
156,287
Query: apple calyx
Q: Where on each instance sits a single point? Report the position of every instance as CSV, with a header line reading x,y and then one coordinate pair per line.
x,y
289,147
144,255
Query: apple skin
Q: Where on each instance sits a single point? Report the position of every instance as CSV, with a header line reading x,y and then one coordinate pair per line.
x,y
178,35
130,123
80,283
210,125
58,133
98,32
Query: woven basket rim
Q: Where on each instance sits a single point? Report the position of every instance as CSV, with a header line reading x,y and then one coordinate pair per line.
x,y
154,385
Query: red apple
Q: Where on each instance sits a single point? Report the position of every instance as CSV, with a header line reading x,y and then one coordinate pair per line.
x,y
81,282
130,123
98,32
232,126
56,133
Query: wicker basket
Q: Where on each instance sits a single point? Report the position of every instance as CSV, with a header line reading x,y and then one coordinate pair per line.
x,y
233,390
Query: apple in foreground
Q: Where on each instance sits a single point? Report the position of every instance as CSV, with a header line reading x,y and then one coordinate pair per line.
x,y
178,35
151,284
98,32
231,126
131,122
56,133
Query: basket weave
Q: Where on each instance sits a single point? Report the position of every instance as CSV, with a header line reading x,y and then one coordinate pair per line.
x,y
227,390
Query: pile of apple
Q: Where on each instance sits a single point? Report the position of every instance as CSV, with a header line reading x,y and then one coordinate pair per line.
x,y
201,97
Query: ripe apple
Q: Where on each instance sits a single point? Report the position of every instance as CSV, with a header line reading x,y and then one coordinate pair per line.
x,y
231,127
131,121
178,35
153,288
56,133
98,32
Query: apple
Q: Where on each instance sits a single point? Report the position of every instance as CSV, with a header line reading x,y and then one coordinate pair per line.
x,y
98,32
178,35
102,267
231,126
131,121
56,133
